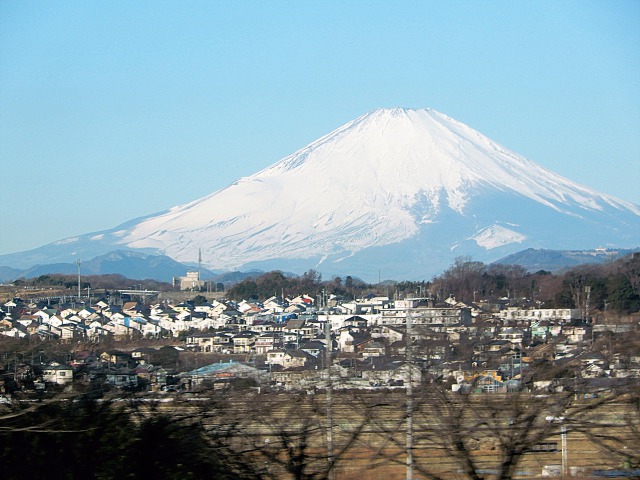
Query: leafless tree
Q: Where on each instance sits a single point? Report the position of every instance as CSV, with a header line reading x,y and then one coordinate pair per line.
x,y
617,434
128,436
284,435
472,434
630,268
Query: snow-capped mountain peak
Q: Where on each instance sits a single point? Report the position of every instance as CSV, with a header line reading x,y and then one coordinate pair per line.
x,y
398,189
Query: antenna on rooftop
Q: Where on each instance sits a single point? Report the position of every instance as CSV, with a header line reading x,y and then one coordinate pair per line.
x,y
199,264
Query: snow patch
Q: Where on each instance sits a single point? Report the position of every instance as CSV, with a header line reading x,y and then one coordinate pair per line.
x,y
497,236
67,240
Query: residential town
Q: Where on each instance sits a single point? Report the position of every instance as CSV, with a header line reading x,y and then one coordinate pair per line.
x,y
288,343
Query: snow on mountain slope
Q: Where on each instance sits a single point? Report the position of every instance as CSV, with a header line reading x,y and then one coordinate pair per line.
x,y
407,190
371,182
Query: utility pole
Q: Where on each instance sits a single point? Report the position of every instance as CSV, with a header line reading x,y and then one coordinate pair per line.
x,y
409,395
565,453
563,437
587,290
329,398
79,292
199,266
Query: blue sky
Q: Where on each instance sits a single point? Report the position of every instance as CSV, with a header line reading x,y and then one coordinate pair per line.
x,y
114,110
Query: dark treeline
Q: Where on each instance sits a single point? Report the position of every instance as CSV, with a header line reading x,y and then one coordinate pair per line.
x,y
613,286
77,437
110,281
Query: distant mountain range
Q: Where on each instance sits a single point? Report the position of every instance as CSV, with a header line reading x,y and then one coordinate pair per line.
x,y
396,192
555,260
131,264
135,265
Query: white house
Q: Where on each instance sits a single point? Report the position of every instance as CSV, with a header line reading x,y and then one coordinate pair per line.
x,y
59,374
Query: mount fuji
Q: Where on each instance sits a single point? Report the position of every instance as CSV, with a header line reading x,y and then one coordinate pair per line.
x,y
396,192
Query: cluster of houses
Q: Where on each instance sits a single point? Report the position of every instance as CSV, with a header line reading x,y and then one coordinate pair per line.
x,y
294,343
99,367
